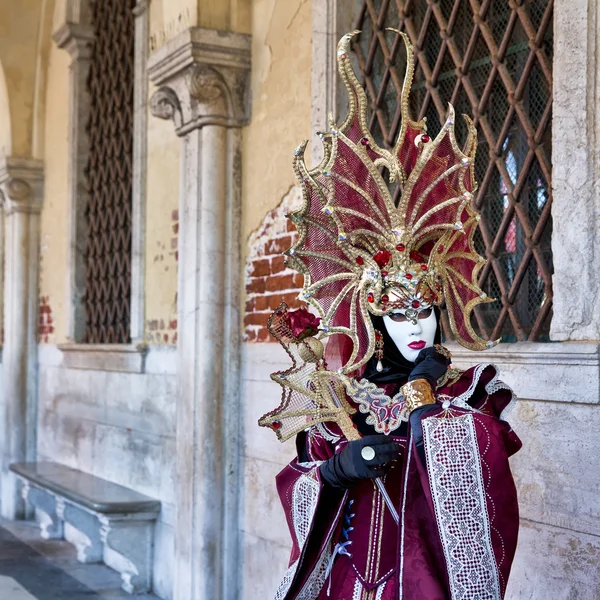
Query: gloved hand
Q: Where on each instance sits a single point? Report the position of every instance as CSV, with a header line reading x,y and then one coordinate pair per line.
x,y
430,365
348,466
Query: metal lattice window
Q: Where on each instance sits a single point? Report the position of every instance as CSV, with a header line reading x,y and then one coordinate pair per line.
x,y
492,59
109,173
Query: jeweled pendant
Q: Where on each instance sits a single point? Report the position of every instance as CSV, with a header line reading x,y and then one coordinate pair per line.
x,y
379,366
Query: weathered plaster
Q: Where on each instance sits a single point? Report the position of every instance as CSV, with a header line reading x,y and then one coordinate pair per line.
x,y
281,105
19,31
54,242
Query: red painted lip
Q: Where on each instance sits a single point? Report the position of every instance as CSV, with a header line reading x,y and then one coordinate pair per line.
x,y
417,345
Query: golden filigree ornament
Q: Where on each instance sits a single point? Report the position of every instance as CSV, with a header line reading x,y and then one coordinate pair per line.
x,y
361,253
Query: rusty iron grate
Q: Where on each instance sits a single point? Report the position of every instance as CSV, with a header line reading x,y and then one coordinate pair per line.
x,y
492,59
109,173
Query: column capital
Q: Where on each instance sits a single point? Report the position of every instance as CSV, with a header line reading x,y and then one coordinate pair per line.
x,y
75,38
21,182
203,76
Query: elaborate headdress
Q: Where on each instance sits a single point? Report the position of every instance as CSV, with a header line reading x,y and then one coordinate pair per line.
x,y
359,252
362,253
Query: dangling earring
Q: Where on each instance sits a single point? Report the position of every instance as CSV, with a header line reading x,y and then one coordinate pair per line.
x,y
379,350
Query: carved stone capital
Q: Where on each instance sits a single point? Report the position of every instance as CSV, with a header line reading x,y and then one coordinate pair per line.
x,y
204,79
21,181
75,38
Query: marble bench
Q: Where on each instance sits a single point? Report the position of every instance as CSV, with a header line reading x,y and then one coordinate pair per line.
x,y
106,522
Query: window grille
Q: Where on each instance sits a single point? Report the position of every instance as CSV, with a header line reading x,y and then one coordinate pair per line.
x,y
109,173
492,59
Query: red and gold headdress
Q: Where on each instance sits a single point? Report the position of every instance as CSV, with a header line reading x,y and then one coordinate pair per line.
x,y
359,252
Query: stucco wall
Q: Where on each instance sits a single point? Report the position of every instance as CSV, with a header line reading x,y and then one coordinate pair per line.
x,y
54,243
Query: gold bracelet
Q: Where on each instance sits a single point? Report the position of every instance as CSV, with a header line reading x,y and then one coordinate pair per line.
x,y
417,393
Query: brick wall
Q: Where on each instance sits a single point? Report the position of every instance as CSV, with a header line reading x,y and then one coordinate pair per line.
x,y
268,282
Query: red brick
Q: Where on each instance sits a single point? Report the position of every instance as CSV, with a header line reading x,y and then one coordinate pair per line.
x,y
278,264
278,245
261,267
280,282
261,302
176,228
273,300
298,280
175,215
291,299
173,324
256,319
290,226
250,335
265,336
256,286
250,305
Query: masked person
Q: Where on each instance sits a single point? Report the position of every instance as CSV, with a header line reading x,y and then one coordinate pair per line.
x,y
418,503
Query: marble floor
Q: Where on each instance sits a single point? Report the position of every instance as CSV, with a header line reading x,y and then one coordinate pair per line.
x,y
35,569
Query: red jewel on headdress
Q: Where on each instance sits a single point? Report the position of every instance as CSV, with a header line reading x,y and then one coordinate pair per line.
x,y
370,297
385,298
359,260
382,257
276,425
378,335
400,247
440,249
384,273
425,139
365,141
416,256
416,304
423,267
408,276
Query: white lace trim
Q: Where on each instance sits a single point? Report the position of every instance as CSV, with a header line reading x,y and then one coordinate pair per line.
x,y
286,582
326,434
380,591
305,497
358,588
491,387
314,584
459,498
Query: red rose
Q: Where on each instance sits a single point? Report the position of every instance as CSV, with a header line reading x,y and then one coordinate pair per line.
x,y
302,323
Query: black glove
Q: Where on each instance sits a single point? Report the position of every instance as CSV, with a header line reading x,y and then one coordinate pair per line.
x,y
348,466
430,365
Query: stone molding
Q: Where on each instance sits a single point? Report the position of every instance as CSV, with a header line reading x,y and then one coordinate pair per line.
x,y
203,79
75,38
122,358
21,181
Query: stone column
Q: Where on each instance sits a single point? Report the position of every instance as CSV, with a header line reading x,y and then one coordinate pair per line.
x,y
76,39
204,82
576,171
21,187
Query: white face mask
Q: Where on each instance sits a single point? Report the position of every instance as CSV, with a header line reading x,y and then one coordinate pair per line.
x,y
411,336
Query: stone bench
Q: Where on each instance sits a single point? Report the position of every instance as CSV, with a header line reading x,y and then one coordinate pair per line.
x,y
104,521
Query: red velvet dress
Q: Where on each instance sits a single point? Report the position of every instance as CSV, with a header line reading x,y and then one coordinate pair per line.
x,y
457,505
